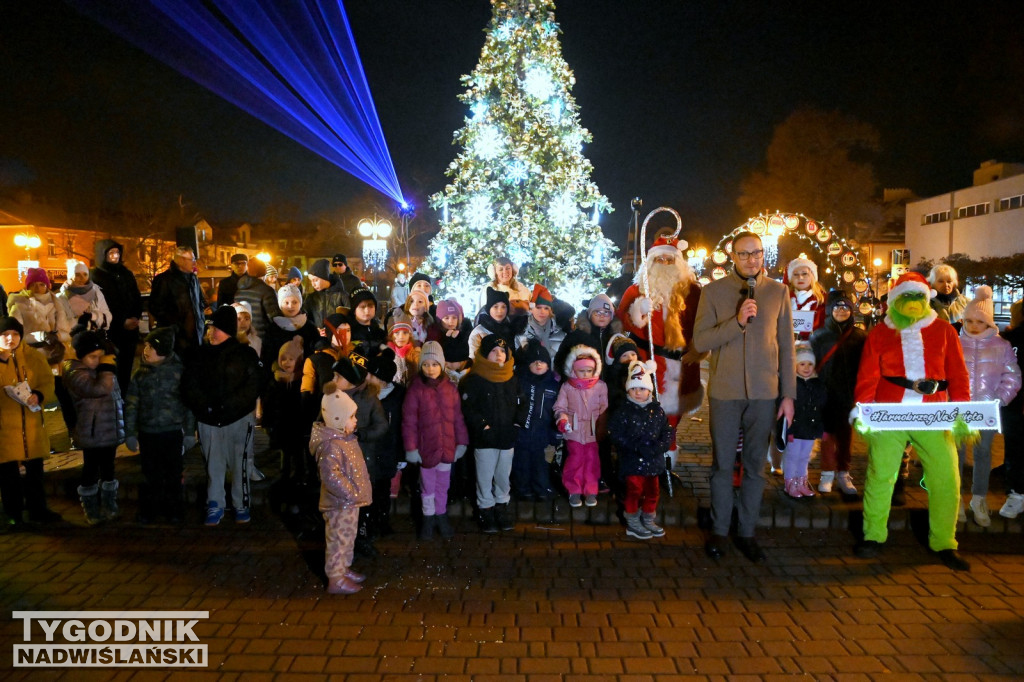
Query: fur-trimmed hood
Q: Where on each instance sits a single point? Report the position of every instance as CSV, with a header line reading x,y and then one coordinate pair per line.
x,y
584,324
577,352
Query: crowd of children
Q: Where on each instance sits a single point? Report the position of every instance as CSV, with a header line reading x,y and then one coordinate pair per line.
x,y
353,402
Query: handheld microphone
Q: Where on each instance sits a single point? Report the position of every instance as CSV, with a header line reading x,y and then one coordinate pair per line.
x,y
751,283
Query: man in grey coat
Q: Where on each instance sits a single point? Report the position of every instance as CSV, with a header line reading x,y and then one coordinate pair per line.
x,y
752,365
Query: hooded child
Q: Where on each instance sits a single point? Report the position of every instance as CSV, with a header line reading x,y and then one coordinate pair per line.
x,y
451,329
344,486
381,370
538,390
581,400
284,420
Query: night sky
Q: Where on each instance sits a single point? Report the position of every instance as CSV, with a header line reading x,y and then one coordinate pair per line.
x,y
681,98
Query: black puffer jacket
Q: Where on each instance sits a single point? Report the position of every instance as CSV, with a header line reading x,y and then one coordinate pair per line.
x,y
839,372
489,404
176,300
372,425
641,436
118,285
391,450
221,383
98,404
153,402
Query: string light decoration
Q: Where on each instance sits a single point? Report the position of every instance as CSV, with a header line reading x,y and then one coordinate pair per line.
x,y
844,266
541,203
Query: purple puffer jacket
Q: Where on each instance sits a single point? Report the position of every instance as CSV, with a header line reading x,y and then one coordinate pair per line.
x,y
992,366
432,420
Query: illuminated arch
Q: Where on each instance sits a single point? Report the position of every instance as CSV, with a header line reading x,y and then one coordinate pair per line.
x,y
843,258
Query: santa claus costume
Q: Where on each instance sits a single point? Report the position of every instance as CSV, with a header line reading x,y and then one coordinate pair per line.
x,y
672,304
892,360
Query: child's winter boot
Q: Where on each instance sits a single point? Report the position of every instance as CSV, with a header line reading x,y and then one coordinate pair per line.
x,y
108,500
443,526
635,527
650,524
427,529
488,524
503,517
805,487
793,488
90,497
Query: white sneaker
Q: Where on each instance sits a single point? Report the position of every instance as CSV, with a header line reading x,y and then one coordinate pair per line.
x,y
980,508
825,485
1013,506
845,484
961,517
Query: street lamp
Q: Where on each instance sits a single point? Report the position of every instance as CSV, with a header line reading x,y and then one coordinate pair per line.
x,y
27,242
263,257
375,245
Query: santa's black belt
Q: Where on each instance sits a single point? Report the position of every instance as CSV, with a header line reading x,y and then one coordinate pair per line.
x,y
671,354
922,386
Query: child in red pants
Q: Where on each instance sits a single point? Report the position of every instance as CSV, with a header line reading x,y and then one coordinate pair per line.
x,y
640,432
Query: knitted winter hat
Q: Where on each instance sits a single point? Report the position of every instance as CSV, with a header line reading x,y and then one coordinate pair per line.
x,y
86,342
294,273
449,306
801,263
617,346
257,268
600,302
161,340
382,365
804,353
836,297
80,267
419,277
911,281
321,269
490,342
271,271
352,367
225,319
583,362
541,296
532,352
640,375
432,351
9,323
291,350
242,307
359,295
494,297
336,407
289,291
981,308
33,275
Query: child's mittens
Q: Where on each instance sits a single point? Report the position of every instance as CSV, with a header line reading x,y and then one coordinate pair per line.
x,y
413,456
460,450
563,425
132,443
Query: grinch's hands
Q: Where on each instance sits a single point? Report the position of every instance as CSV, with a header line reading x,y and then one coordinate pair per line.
x,y
748,310
692,357
786,410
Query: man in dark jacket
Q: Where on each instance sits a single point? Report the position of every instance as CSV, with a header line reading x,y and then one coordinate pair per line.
x,y
260,297
327,297
121,292
229,285
221,383
341,270
177,301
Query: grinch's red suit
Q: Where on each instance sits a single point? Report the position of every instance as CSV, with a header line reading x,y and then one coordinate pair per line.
x,y
926,349
678,364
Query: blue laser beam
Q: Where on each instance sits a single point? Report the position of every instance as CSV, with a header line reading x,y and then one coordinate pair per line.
x,y
293,65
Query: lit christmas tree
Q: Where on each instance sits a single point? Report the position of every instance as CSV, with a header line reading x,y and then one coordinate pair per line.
x,y
520,185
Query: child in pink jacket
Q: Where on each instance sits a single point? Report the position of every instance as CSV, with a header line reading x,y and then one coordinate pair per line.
x,y
434,433
581,400
995,375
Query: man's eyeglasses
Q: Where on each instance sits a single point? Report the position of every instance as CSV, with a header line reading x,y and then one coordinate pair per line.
x,y
750,255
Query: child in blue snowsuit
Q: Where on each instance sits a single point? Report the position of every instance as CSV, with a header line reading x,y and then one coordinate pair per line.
x,y
538,390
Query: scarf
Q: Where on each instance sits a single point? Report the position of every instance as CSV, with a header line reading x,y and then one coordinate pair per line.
x,y
650,399
79,291
948,298
491,371
583,384
400,351
285,377
291,324
801,298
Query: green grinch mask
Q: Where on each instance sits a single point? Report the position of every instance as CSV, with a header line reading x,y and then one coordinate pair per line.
x,y
908,308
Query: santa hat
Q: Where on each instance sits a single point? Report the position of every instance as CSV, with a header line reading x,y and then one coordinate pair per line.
x,y
667,246
908,282
981,308
541,296
801,263
336,407
617,345
640,375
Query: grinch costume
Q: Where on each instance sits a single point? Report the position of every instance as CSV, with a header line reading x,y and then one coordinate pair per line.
x,y
912,357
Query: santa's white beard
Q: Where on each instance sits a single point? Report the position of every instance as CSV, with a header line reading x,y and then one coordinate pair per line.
x,y
663,278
